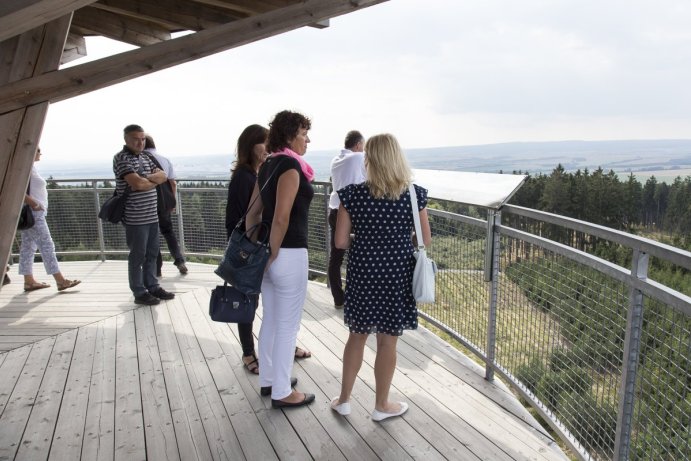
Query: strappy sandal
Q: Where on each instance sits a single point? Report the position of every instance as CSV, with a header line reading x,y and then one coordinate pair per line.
x,y
302,353
68,284
35,286
253,366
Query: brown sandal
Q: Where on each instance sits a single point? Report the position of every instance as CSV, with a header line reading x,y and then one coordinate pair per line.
x,y
68,284
253,366
302,353
35,286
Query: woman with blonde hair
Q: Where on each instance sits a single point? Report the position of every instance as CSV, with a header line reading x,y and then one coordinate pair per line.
x,y
379,277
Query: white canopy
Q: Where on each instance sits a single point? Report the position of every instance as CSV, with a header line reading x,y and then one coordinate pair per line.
x,y
487,190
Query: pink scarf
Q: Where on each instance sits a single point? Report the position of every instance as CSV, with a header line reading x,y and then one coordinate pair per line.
x,y
306,168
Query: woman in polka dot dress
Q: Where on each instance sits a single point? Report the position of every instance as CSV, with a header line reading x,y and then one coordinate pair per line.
x,y
379,277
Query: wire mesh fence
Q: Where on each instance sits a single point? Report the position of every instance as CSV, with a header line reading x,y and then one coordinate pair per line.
x,y
560,312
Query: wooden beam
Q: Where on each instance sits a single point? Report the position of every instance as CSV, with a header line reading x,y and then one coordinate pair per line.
x,y
248,7
73,81
34,52
172,14
19,16
117,27
75,48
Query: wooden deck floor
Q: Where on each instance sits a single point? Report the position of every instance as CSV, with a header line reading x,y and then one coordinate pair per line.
x,y
86,375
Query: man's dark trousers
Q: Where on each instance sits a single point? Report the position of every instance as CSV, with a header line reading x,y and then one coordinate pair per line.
x,y
165,224
335,262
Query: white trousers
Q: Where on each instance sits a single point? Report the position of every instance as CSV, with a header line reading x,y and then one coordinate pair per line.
x,y
284,289
39,237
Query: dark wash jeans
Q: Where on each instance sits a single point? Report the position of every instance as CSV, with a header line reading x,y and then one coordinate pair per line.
x,y
335,262
142,241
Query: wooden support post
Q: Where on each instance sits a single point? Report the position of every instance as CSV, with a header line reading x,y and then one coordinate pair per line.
x,y
33,53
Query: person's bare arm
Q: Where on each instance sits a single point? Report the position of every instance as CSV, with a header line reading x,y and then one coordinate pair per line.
x,y
157,177
343,228
424,227
139,183
286,191
254,214
32,202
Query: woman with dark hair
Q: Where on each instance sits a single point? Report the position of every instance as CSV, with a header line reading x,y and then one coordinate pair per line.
x,y
250,154
284,205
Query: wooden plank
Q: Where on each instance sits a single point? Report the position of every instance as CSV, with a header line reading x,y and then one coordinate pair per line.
x,y
99,424
129,426
117,27
189,431
255,444
469,417
38,435
158,422
69,429
18,409
219,432
273,423
73,81
10,370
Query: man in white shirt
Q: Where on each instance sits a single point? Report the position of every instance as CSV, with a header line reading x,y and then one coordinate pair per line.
x,y
347,168
165,207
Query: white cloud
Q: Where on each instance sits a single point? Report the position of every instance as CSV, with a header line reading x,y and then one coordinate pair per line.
x,y
434,73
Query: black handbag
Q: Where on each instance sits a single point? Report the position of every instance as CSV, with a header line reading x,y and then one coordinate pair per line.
x,y
244,261
113,209
26,218
231,306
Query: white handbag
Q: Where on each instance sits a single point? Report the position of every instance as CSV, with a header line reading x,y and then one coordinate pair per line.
x,y
425,268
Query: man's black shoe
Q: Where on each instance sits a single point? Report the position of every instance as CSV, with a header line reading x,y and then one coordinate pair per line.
x,y
160,293
181,267
266,390
146,299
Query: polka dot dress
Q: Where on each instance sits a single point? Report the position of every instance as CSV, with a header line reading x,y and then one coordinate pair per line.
x,y
379,275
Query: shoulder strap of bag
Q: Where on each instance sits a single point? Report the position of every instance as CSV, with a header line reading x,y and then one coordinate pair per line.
x,y
242,219
416,217
153,158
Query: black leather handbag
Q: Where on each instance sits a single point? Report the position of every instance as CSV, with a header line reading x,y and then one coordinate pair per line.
x,y
113,209
26,218
229,305
244,261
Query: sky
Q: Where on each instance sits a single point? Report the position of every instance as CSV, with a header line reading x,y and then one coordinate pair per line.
x,y
431,72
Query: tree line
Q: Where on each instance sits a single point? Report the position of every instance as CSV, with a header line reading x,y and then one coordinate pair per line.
x,y
602,198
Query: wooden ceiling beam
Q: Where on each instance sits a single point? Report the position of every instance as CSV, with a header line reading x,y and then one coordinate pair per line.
x,y
247,7
172,14
75,48
19,16
122,28
84,78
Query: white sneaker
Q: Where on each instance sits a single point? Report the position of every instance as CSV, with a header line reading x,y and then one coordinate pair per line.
x,y
342,409
380,415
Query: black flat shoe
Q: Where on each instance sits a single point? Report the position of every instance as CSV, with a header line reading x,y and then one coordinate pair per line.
x,y
309,398
266,390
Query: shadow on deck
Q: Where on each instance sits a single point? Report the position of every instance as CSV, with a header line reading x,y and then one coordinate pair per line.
x,y
86,375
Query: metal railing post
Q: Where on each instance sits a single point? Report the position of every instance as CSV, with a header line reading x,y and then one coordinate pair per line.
x,y
181,227
632,350
99,223
492,252
327,196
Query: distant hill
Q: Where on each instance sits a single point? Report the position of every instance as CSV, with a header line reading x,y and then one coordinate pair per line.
x,y
639,157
